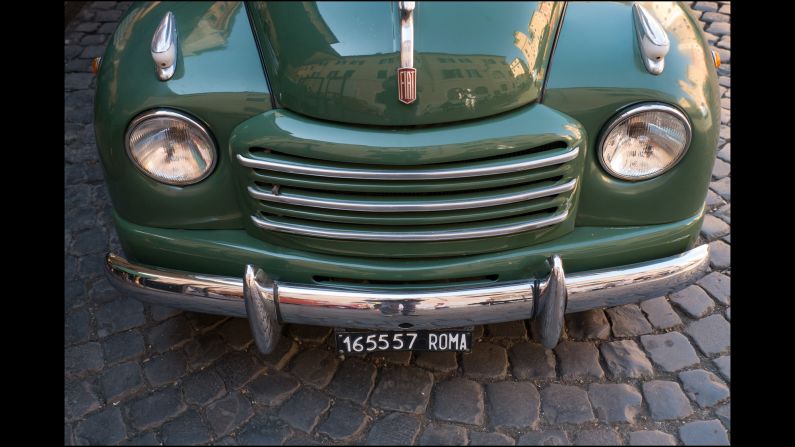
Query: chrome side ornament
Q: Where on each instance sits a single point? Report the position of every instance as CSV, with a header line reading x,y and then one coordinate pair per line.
x,y
164,47
407,74
260,295
652,40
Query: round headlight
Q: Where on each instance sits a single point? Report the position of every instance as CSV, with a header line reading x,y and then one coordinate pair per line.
x,y
644,141
170,147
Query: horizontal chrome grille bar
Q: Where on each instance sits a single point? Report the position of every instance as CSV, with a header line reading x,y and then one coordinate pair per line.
x,y
394,207
407,236
404,173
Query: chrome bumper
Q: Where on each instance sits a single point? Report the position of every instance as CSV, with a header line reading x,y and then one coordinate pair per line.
x,y
268,304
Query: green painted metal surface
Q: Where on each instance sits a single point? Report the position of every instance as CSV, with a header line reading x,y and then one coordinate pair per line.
x,y
226,252
338,60
597,71
219,80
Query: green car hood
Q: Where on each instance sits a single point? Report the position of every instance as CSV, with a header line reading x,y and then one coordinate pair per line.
x,y
338,60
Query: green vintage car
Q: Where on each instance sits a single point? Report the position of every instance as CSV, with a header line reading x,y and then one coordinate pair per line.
x,y
403,171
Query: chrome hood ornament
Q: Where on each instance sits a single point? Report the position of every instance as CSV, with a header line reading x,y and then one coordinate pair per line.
x,y
164,47
407,74
652,40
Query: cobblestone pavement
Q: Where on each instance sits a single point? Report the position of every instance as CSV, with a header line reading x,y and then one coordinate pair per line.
x,y
138,374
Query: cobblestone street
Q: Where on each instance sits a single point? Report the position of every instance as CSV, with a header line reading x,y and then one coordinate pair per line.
x,y
654,373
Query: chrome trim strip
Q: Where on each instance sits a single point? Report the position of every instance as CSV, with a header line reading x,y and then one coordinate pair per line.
x,y
397,174
406,34
376,309
633,110
164,47
635,282
652,40
395,207
438,235
191,291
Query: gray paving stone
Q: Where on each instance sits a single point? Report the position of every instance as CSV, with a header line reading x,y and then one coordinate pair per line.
x,y
147,438
511,329
437,361
671,351
728,314
564,403
723,413
722,187
724,213
152,409
315,367
693,301
264,429
443,434
119,316
102,292
285,350
228,413
77,326
82,359
187,429
628,321
617,402
354,380
719,29
203,350
703,433
203,387
107,28
625,359
68,436
237,333
164,368
304,409
578,360
724,366
93,39
309,334
394,429
666,400
345,421
718,286
714,228
123,346
79,400
651,437
120,381
272,388
459,400
493,438
531,361
161,313
169,334
77,81
108,16
201,322
485,361
513,404
393,357
238,368
660,314
703,387
403,388
719,255
544,437
302,439
721,168
711,334
589,325
597,437
706,6
713,200
103,427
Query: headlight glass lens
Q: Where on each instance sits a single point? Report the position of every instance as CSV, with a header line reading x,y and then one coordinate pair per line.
x,y
644,142
171,148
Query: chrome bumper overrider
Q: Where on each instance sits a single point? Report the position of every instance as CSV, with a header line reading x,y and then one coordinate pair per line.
x,y
268,304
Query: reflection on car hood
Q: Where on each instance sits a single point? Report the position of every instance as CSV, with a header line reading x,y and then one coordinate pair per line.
x,y
339,61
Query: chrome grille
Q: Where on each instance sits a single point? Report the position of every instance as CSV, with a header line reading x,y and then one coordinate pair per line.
x,y
493,196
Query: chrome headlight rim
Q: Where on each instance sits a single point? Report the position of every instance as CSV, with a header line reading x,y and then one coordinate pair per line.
x,y
170,113
634,110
